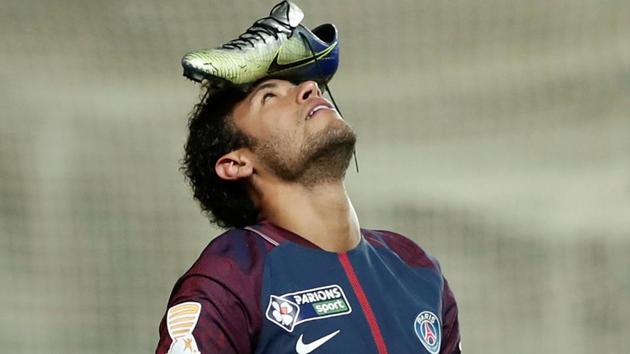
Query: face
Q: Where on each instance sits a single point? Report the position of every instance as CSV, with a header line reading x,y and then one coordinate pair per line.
x,y
297,135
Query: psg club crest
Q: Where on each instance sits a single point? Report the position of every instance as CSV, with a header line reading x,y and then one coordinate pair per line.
x,y
429,331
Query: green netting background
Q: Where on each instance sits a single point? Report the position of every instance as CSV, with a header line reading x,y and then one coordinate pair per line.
x,y
496,133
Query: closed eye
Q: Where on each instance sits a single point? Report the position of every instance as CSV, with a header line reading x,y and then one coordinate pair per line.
x,y
267,96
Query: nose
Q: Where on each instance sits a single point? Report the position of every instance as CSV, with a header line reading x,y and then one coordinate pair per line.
x,y
306,90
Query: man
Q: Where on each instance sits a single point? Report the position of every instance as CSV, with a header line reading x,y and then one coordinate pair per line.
x,y
295,273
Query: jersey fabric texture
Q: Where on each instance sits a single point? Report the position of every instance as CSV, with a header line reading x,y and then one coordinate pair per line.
x,y
263,289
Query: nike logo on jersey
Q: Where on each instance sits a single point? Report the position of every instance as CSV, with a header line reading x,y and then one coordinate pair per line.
x,y
302,348
276,66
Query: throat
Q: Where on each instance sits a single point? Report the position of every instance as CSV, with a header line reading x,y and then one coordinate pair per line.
x,y
323,215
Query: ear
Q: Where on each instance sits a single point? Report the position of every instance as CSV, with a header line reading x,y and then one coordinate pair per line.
x,y
234,165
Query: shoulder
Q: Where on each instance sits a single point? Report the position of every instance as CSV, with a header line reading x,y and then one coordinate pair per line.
x,y
236,251
225,279
233,262
405,248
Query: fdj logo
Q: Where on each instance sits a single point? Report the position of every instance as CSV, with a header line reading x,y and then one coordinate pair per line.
x,y
291,309
429,331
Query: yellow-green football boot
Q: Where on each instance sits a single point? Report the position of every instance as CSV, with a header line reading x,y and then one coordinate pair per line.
x,y
277,46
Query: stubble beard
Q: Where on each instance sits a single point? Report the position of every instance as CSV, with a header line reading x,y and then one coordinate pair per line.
x,y
322,158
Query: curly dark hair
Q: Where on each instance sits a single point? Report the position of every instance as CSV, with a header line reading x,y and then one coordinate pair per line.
x,y
212,134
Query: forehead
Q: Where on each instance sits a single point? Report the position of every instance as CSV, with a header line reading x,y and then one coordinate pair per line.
x,y
268,83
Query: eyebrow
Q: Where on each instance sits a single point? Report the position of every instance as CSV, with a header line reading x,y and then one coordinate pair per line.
x,y
268,84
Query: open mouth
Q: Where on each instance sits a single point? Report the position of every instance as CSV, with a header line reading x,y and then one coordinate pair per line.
x,y
317,106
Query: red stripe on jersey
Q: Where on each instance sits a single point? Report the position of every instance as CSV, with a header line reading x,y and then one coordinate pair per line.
x,y
363,301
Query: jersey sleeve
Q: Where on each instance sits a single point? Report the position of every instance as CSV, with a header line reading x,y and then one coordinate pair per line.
x,y
204,316
451,342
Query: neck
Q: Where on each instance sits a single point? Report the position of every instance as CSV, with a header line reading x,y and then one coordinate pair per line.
x,y
322,214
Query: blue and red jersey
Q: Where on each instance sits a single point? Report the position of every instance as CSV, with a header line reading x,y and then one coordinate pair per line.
x,y
263,289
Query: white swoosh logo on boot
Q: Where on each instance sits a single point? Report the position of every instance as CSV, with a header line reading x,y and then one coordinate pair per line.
x,y
302,348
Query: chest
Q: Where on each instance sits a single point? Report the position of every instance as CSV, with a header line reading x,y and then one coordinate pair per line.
x,y
364,301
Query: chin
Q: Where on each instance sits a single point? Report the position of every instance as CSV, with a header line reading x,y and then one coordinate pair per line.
x,y
323,157
328,154
337,132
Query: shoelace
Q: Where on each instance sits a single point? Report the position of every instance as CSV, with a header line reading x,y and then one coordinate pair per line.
x,y
305,40
255,33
